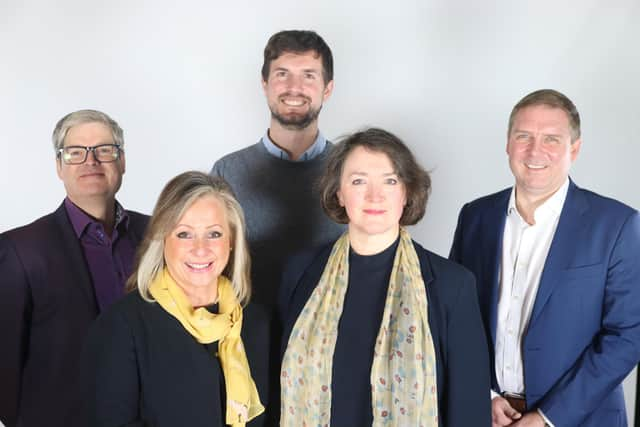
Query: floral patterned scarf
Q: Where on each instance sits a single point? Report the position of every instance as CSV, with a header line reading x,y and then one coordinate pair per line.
x,y
403,373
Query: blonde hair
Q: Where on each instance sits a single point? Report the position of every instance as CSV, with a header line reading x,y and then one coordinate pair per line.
x,y
176,197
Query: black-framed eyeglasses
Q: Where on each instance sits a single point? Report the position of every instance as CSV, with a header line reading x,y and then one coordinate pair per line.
x,y
77,154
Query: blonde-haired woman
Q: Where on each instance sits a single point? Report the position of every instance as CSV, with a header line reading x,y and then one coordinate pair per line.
x,y
183,350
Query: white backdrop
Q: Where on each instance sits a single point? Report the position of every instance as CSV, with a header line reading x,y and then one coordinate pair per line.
x,y
183,80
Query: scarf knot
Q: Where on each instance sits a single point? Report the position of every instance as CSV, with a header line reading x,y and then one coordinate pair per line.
x,y
243,401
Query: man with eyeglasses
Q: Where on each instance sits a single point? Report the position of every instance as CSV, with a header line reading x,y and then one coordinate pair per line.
x,y
59,272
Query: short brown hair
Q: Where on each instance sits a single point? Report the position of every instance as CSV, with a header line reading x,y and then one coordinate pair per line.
x,y
299,42
550,98
415,179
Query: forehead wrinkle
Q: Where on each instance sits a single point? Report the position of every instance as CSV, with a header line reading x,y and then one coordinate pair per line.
x,y
110,142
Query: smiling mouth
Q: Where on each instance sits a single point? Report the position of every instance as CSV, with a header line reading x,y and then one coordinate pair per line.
x,y
535,167
198,266
294,101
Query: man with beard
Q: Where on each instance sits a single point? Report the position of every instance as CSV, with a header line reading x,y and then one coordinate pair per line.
x,y
274,178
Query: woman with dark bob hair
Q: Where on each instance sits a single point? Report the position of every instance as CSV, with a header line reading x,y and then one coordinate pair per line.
x,y
378,330
185,349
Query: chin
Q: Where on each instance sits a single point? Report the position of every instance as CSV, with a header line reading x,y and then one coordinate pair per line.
x,y
377,230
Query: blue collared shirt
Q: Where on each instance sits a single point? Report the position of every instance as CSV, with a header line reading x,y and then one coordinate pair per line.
x,y
315,150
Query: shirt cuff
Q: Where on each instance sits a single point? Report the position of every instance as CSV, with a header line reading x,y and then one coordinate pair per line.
x,y
546,420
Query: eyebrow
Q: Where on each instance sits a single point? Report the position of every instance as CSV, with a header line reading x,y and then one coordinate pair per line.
x,y
557,135
106,142
188,226
366,174
304,70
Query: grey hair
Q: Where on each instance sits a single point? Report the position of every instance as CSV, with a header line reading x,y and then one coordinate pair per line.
x,y
85,116
176,197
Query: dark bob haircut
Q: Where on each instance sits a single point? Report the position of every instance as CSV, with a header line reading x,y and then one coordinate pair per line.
x,y
299,42
416,180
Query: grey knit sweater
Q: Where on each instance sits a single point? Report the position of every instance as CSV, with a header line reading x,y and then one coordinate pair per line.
x,y
282,209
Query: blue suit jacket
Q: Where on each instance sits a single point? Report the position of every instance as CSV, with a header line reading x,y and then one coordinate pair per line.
x,y
462,362
583,336
47,303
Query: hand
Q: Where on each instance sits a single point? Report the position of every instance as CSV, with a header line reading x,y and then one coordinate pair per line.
x,y
530,419
502,414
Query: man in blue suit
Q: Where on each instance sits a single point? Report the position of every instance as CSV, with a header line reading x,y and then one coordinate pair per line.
x,y
558,279
59,272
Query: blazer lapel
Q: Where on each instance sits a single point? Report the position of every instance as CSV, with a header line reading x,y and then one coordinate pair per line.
x,y
562,248
77,264
494,220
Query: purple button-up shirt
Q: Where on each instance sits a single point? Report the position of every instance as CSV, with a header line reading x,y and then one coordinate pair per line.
x,y
109,258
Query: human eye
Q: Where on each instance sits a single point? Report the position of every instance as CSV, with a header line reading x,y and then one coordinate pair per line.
x,y
105,149
74,152
310,76
215,235
522,137
552,140
280,74
183,235
391,181
357,181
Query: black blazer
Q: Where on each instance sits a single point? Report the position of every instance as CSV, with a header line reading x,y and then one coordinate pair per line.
x,y
142,368
47,302
462,361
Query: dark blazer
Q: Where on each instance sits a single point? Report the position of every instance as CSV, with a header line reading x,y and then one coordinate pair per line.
x,y
462,361
47,302
583,336
142,368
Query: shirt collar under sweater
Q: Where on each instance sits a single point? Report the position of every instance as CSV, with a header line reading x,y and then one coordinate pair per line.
x,y
315,150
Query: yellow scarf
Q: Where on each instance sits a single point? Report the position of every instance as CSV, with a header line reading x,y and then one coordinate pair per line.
x,y
403,373
243,401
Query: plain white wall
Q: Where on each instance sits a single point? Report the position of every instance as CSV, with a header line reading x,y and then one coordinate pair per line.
x,y
183,80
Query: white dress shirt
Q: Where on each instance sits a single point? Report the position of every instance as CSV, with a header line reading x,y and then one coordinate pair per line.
x,y
524,251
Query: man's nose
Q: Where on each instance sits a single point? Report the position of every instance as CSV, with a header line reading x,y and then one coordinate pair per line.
x,y
294,82
91,158
535,145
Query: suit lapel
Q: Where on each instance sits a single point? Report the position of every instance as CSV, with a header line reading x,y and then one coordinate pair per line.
x,y
137,227
562,248
493,222
72,249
